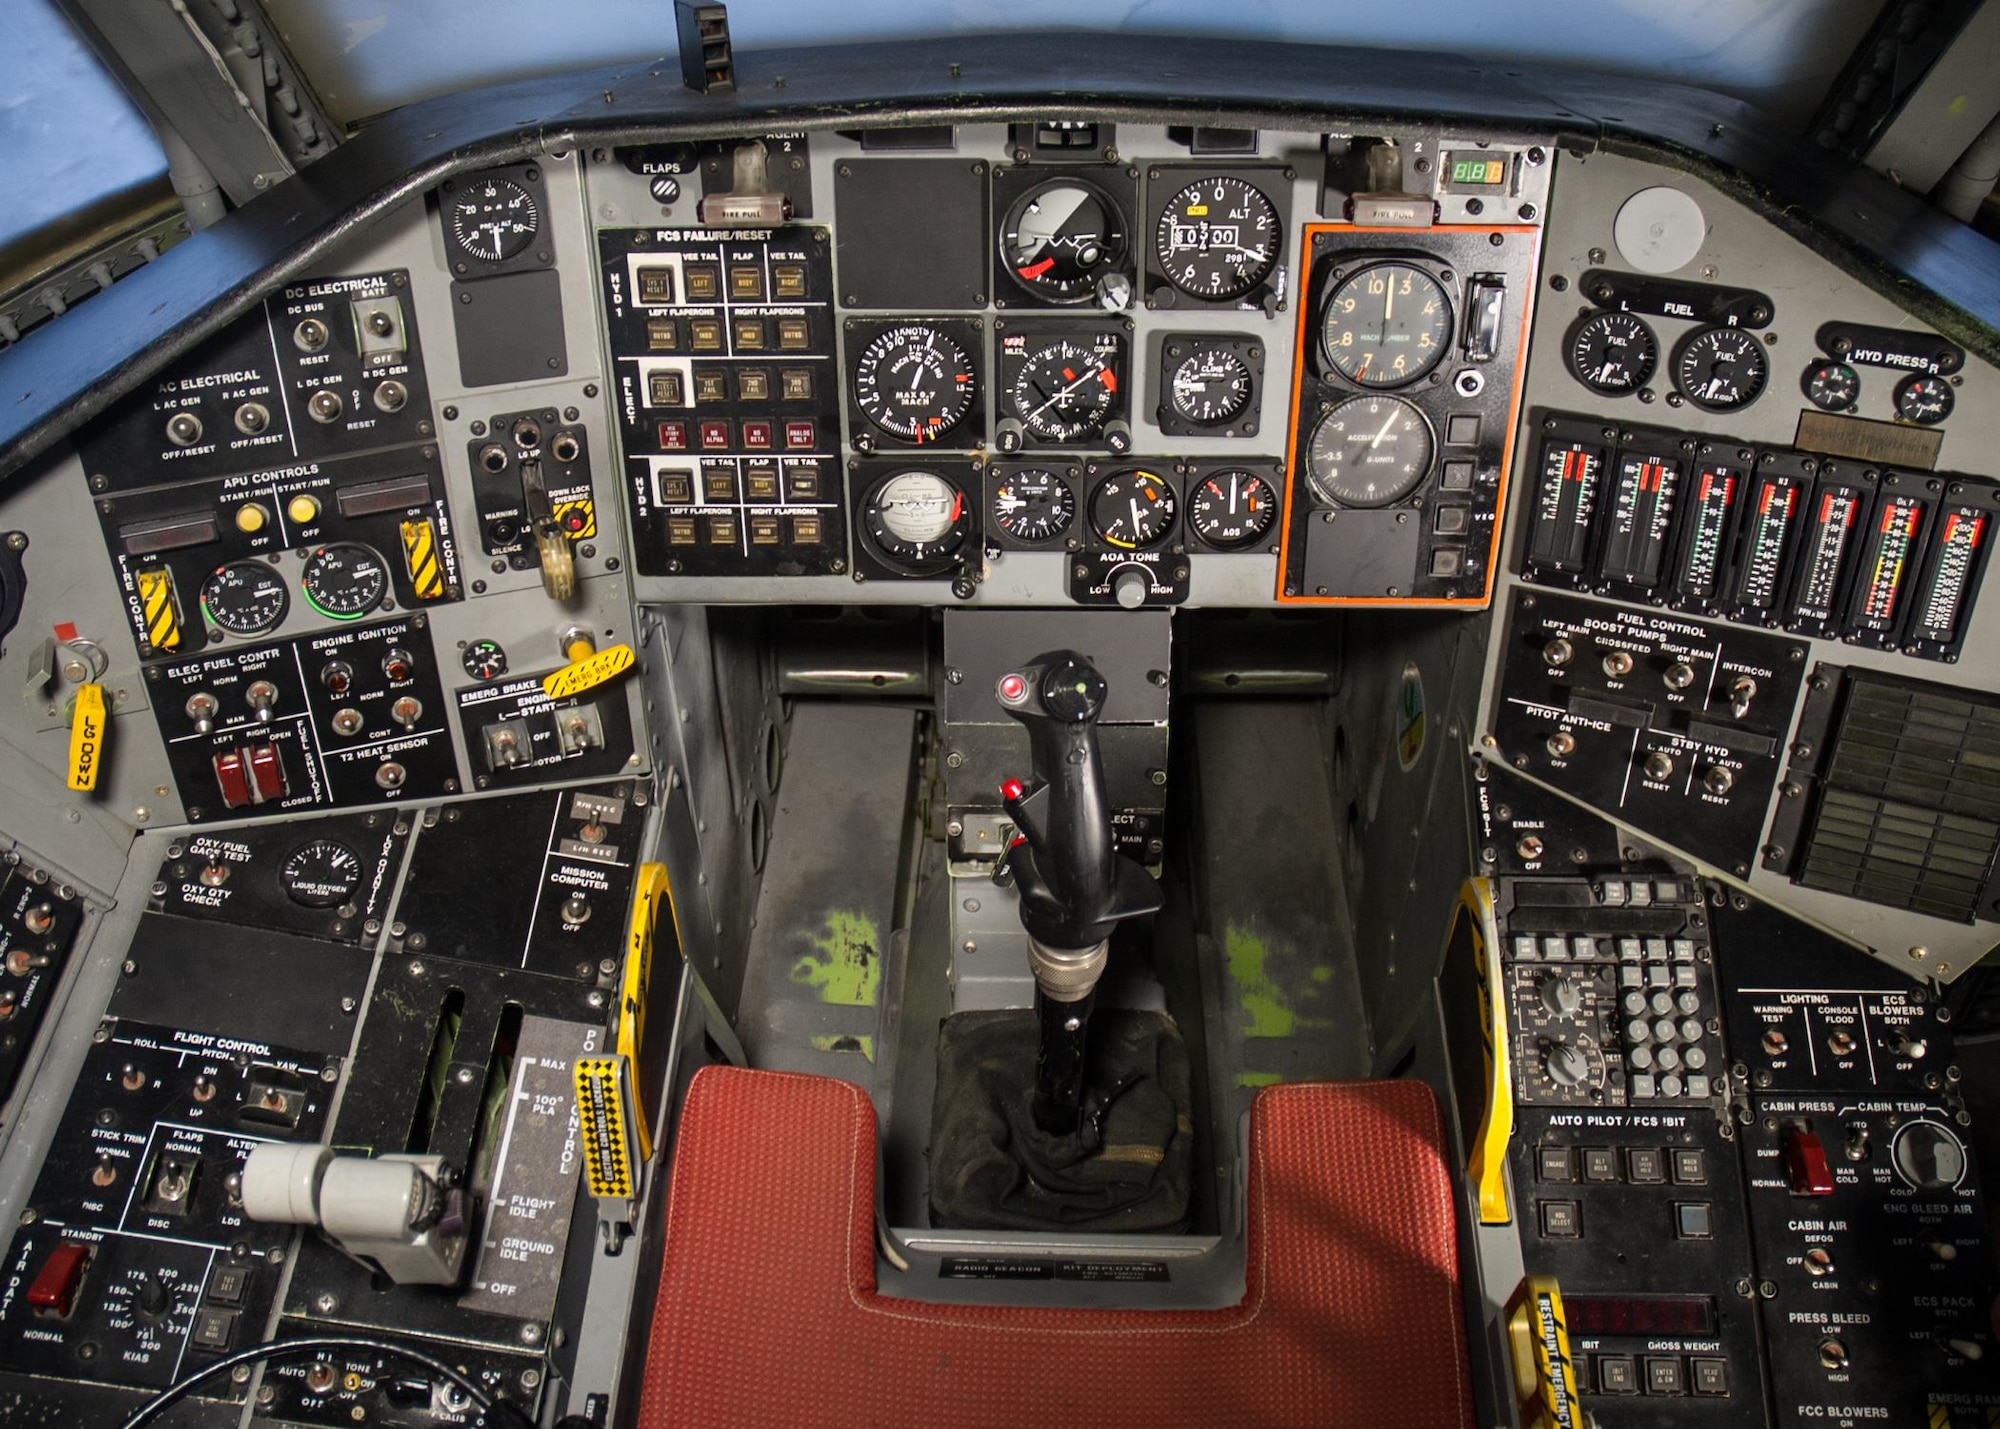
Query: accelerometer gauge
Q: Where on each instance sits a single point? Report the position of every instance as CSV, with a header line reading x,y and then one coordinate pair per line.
x,y
1064,391
1217,238
245,598
914,382
1033,505
1232,508
1059,237
1209,387
1831,385
344,581
1924,399
1369,451
321,874
1132,509
484,660
1386,325
1720,368
492,219
916,518
1613,353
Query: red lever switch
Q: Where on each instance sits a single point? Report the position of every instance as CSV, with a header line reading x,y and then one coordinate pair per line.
x,y
1805,1164
56,1283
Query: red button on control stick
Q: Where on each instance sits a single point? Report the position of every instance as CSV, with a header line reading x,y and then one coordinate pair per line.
x,y
1012,789
1013,689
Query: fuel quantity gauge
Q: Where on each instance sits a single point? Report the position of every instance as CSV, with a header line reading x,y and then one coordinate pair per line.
x,y
1613,353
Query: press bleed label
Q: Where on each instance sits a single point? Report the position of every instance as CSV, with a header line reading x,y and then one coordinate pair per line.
x,y
86,738
589,672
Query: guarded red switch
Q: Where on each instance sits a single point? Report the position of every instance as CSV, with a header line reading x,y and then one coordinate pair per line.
x,y
232,776
1805,1164
56,1283
267,772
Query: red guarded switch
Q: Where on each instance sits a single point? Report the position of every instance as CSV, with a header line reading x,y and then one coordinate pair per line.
x,y
232,776
56,1283
1805,1163
267,772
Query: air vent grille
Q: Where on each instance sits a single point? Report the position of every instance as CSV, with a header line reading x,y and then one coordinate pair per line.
x,y
1909,814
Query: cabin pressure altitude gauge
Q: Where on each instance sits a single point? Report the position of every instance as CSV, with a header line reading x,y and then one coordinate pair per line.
x,y
492,219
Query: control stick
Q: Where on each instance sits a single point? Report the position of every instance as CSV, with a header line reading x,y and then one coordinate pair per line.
x,y
1074,888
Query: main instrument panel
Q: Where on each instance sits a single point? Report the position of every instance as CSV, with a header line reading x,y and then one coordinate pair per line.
x,y
409,560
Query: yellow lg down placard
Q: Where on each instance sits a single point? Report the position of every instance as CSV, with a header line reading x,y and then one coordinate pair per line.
x,y
86,738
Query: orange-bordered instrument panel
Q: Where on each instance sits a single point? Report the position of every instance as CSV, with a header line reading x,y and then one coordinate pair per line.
x,y
1406,382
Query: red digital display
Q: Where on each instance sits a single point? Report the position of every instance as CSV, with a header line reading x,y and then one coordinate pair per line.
x,y
1675,1316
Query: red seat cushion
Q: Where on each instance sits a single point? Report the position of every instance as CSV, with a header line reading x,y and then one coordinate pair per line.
x,y
768,1313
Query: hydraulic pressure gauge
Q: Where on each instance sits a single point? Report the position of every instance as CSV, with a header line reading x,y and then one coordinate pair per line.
x,y
1210,386
1923,399
1232,509
1613,353
1033,505
1831,384
914,382
1217,238
1369,451
917,519
344,581
492,219
245,598
1132,509
1720,368
1386,325
1060,237
1064,391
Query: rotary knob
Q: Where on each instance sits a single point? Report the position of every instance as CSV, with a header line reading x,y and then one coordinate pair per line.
x,y
1561,995
1565,1064
1928,1157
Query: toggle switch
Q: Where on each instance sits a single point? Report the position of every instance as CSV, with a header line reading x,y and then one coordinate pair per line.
x,y
1806,1171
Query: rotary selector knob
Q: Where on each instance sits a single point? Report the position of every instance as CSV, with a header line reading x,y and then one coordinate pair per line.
x,y
1928,1156
1561,995
1131,588
1565,1063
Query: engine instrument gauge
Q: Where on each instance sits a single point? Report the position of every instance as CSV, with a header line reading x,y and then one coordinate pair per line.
x,y
1369,451
1721,368
321,874
1060,237
1231,509
1831,385
245,598
1210,386
1033,505
344,581
917,519
1217,238
914,382
1613,353
1064,391
1386,325
1132,509
492,219
1924,399
484,660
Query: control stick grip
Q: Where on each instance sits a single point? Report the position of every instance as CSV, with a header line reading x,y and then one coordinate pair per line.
x,y
1074,887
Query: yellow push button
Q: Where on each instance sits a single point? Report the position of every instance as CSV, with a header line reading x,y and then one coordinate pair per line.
x,y
251,518
303,509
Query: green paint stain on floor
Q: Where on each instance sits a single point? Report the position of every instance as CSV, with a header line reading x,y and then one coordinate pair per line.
x,y
847,970
1259,1079
1258,971
845,1042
